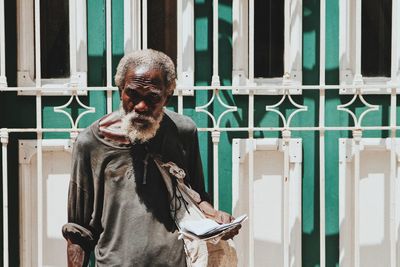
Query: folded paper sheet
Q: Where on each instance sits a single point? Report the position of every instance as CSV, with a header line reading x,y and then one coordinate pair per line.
x,y
206,228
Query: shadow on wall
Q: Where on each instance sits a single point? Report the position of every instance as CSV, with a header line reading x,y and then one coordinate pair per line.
x,y
311,169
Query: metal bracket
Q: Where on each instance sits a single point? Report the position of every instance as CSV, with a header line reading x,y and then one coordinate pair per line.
x,y
78,79
289,79
4,136
348,78
24,79
238,78
186,78
295,148
28,148
59,87
270,144
346,147
346,152
215,81
397,146
3,81
215,135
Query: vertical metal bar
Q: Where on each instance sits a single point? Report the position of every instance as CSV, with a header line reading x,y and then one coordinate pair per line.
x,y
109,55
4,142
358,76
132,26
251,113
180,101
393,168
39,200
37,45
357,134
215,77
215,139
179,54
2,46
129,17
215,82
139,26
26,35
286,205
286,50
321,131
39,137
393,156
251,41
39,172
251,178
251,201
395,33
286,184
144,24
72,36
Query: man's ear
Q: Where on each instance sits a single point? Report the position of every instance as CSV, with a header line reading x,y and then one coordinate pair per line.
x,y
170,91
167,100
120,93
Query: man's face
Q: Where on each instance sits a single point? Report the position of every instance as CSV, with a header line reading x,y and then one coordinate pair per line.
x,y
143,98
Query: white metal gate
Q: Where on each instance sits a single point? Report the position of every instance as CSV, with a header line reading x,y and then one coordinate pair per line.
x,y
186,89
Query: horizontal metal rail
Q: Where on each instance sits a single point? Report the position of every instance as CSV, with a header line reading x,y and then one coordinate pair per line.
x,y
221,129
211,87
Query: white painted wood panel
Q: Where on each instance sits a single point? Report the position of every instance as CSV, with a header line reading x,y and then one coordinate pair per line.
x,y
268,199
56,175
374,202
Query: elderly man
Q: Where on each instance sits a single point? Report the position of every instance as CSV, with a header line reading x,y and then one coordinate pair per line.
x,y
118,204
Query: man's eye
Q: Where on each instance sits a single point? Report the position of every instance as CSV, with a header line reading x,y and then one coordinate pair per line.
x,y
130,92
154,98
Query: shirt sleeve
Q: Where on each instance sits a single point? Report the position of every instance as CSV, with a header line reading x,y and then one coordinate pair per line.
x,y
80,200
196,169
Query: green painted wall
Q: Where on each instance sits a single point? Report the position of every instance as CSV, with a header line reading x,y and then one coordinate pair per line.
x,y
20,112
310,238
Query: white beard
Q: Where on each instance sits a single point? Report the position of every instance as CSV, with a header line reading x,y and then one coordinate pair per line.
x,y
139,133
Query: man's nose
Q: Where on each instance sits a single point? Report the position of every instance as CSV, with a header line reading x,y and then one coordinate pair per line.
x,y
141,106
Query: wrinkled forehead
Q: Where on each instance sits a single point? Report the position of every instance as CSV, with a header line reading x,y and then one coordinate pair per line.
x,y
145,74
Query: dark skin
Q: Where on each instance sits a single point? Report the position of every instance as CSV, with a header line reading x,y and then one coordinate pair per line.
x,y
76,255
146,93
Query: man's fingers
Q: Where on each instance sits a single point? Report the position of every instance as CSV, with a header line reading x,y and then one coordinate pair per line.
x,y
232,233
223,217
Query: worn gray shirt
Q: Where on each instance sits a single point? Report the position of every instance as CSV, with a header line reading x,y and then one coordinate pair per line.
x,y
118,206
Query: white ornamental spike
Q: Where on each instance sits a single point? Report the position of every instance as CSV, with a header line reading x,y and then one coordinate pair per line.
x,y
204,107
357,121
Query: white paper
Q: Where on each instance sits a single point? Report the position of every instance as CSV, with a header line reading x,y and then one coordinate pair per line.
x,y
208,227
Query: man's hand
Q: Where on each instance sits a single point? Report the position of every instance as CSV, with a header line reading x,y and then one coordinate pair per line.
x,y
77,257
220,217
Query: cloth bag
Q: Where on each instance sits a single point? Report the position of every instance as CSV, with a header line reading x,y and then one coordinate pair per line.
x,y
211,251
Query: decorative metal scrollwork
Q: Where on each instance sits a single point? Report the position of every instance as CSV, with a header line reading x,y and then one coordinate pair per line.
x,y
74,124
370,107
203,108
300,108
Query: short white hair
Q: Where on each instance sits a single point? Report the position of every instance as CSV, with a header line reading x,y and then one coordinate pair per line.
x,y
151,58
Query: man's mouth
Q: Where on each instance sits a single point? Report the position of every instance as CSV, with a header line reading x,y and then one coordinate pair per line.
x,y
141,120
